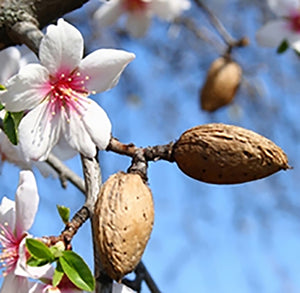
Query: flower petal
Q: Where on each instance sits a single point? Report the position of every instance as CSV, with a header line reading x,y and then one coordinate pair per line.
x,y
108,13
104,68
27,200
62,48
168,10
77,136
8,212
14,284
26,89
283,7
39,131
12,153
272,33
36,287
138,23
10,61
97,125
62,150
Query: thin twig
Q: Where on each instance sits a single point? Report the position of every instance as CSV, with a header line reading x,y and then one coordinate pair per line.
x,y
190,25
228,39
154,153
142,274
148,279
224,34
65,173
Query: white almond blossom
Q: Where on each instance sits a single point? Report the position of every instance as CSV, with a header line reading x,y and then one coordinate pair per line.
x,y
16,218
56,93
11,60
286,27
139,13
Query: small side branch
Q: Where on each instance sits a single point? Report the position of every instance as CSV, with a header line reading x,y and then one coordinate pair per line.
x,y
154,153
224,34
142,274
228,39
65,173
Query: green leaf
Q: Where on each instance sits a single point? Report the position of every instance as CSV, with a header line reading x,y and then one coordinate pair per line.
x,y
17,116
64,213
39,250
1,106
33,262
58,274
283,47
77,271
11,122
10,128
2,87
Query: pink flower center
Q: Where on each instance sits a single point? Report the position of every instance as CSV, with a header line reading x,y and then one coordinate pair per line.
x,y
294,21
9,245
67,93
135,5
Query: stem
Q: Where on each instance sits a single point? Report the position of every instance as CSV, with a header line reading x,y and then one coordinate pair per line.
x,y
154,153
148,279
93,181
225,35
228,39
142,274
201,34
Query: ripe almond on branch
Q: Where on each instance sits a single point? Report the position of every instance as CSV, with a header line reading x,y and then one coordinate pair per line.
x,y
222,82
227,154
123,220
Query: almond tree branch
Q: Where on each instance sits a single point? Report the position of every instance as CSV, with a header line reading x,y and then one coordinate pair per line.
x,y
17,16
93,181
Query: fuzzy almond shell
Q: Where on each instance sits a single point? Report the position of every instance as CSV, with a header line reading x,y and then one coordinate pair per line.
x,y
227,154
123,220
221,84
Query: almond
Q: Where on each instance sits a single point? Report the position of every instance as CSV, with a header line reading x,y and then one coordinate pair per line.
x,y
222,81
123,221
227,154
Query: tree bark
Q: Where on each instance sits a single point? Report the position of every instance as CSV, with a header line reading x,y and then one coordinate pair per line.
x,y
28,15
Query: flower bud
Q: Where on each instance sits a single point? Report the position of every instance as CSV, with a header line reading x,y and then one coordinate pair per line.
x,y
221,83
227,154
123,220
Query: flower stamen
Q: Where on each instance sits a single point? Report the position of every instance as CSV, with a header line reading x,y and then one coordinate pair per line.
x,y
68,93
9,245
